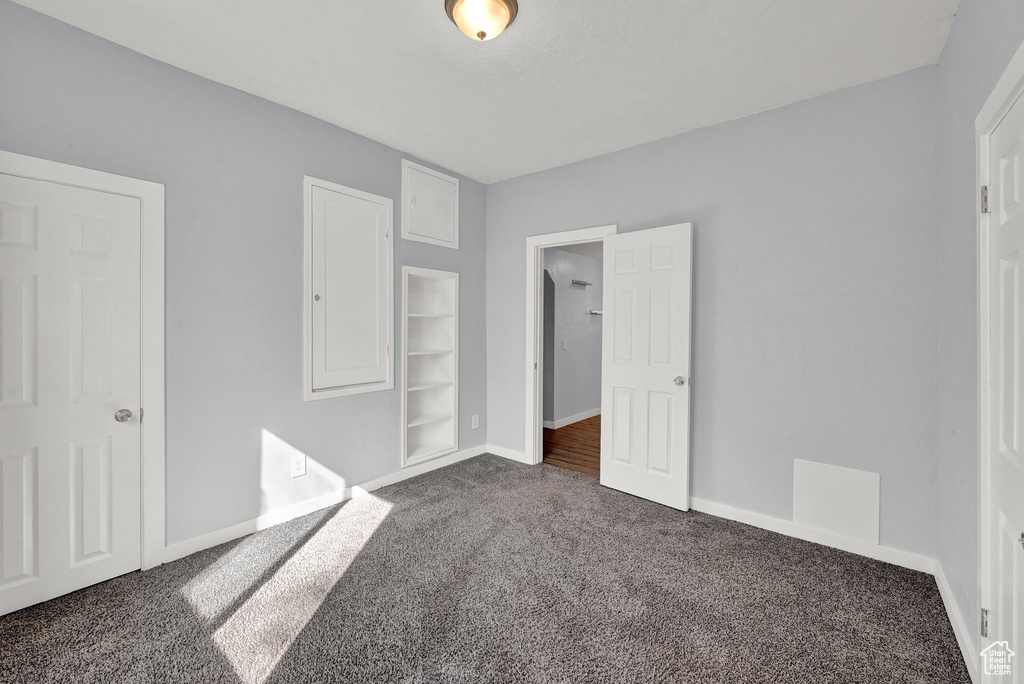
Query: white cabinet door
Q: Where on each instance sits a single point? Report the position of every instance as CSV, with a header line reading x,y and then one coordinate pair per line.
x,y
351,289
430,206
645,391
1005,508
70,490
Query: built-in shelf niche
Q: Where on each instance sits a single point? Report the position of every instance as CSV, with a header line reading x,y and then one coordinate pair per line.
x,y
430,362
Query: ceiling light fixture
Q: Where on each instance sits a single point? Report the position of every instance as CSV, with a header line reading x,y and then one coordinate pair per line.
x,y
481,19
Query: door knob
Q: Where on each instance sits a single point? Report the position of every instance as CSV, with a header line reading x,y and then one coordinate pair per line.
x,y
680,380
123,416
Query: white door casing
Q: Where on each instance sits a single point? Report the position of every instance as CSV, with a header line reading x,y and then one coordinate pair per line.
x,y
1004,505
645,367
534,356
72,342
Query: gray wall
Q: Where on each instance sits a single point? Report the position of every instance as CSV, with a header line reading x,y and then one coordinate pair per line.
x,y
232,165
814,290
984,37
575,371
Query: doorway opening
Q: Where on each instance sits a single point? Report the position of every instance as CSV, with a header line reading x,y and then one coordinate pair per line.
x,y
645,357
534,355
571,400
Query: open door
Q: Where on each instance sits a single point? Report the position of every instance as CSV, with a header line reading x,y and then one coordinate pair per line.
x,y
645,364
1002,486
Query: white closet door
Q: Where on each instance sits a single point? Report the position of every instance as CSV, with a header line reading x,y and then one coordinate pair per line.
x,y
352,305
70,473
1004,506
645,366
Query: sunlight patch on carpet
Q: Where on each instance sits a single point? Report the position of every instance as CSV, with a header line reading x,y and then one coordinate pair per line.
x,y
256,636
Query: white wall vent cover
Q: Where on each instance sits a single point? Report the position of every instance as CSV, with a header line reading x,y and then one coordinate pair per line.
x,y
835,499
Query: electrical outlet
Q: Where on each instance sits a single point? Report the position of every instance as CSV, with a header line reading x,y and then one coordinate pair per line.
x,y
476,422
298,465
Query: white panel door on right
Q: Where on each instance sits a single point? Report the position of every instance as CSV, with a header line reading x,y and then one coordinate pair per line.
x,y
645,366
1004,508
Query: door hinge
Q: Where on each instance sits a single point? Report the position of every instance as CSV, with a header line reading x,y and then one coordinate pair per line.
x,y
984,200
387,351
142,415
984,622
534,366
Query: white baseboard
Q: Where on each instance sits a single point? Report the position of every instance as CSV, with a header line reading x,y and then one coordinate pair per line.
x,y
510,454
555,424
789,528
225,534
964,635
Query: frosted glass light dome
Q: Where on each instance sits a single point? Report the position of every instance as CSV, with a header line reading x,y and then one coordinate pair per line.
x,y
481,19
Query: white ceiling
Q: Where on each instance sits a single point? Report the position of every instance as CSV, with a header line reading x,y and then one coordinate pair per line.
x,y
569,80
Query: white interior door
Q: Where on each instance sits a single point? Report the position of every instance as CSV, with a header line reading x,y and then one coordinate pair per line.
x,y
1005,505
70,489
645,364
351,272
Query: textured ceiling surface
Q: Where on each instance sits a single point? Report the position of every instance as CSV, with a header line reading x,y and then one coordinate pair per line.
x,y
569,80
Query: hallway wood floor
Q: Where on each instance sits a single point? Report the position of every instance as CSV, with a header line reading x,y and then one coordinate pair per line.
x,y
575,447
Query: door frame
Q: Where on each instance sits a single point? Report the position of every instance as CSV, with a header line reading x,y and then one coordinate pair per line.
x,y
151,198
1007,91
534,349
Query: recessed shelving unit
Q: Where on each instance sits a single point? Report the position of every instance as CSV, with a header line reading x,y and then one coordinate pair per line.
x,y
430,363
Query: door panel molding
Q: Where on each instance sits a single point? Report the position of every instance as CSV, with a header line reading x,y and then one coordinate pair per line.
x,y
92,240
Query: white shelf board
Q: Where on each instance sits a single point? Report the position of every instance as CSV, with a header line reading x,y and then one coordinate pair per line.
x,y
428,418
430,352
419,386
429,449
431,315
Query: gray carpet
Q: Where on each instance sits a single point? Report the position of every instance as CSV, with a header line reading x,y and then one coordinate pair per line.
x,y
491,571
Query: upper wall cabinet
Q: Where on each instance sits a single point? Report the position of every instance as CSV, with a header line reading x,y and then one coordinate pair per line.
x,y
430,206
349,290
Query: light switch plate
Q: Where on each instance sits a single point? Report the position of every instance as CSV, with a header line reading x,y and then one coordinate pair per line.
x,y
476,421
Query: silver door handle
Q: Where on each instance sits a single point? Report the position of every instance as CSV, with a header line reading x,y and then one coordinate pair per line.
x,y
680,380
123,415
